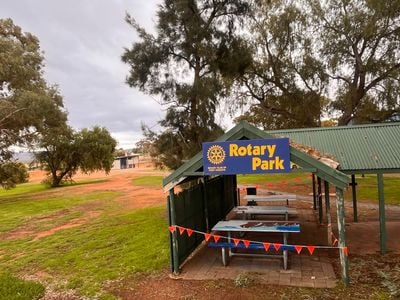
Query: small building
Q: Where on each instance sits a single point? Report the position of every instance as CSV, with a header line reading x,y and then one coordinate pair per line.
x,y
128,161
28,159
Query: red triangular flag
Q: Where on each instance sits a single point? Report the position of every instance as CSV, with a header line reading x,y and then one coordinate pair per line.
x,y
277,246
346,252
207,236
298,248
189,231
172,228
311,249
236,241
269,185
246,243
266,246
216,238
181,230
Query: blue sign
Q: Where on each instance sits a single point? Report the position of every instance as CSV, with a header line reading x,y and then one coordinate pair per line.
x,y
247,157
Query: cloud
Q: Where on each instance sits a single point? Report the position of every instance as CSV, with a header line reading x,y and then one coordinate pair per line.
x,y
82,43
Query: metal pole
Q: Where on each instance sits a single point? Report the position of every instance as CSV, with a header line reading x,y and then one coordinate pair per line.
x,y
382,219
320,212
344,263
353,188
328,212
174,235
314,193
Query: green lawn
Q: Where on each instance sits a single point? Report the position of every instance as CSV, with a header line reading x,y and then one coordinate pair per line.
x,y
115,244
148,181
12,288
367,188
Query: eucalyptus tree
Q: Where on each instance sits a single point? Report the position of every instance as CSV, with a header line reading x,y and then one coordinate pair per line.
x,y
360,43
65,151
27,104
184,64
285,85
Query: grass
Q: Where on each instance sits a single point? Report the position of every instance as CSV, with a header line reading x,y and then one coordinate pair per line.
x,y
12,288
367,187
25,188
21,209
273,178
28,188
115,244
148,181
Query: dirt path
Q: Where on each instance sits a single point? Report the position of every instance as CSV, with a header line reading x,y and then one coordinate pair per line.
x,y
119,181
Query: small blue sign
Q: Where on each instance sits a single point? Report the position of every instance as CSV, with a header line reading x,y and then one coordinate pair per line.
x,y
247,157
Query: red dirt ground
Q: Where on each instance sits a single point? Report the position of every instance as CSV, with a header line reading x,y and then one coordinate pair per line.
x,y
363,239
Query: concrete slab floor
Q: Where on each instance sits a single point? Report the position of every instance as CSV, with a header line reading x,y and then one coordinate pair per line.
x,y
304,270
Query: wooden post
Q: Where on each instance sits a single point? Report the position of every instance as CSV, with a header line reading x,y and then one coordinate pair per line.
x,y
174,235
382,219
236,195
328,212
344,263
205,201
320,212
314,193
171,248
353,188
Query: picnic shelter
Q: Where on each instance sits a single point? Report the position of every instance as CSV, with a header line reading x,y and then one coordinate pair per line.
x,y
198,201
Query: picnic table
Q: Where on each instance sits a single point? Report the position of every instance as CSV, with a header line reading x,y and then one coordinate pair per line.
x,y
232,226
248,211
271,198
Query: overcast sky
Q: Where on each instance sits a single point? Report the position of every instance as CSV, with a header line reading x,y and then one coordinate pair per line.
x,y
83,41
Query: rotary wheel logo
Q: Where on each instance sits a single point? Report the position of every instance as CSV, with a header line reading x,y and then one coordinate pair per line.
x,y
216,154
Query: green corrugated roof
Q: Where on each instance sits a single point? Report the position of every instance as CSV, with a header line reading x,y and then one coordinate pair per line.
x,y
374,147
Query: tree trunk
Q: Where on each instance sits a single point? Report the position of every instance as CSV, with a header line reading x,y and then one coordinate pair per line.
x,y
56,181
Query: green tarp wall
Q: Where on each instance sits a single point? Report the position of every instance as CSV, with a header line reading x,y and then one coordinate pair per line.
x,y
207,202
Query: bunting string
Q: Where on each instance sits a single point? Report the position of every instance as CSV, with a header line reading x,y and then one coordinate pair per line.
x,y
267,245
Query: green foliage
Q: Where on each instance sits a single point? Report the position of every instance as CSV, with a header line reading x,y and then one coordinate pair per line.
x,y
66,151
27,105
12,288
318,57
287,75
12,173
359,40
183,64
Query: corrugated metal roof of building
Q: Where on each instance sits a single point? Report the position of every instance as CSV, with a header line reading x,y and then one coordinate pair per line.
x,y
357,148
